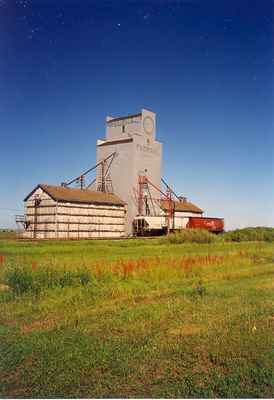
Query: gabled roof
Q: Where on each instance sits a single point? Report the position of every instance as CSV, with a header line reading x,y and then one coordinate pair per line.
x,y
182,206
65,194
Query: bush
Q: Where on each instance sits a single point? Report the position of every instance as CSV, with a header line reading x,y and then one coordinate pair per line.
x,y
189,236
250,234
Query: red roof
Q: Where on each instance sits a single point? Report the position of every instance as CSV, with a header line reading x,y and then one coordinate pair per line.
x,y
182,206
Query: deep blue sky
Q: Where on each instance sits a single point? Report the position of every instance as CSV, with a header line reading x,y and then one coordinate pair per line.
x,y
204,66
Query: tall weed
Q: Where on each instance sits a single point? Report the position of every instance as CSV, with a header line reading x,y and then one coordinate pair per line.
x,y
26,279
20,280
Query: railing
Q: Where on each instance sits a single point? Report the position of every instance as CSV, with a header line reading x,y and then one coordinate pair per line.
x,y
20,219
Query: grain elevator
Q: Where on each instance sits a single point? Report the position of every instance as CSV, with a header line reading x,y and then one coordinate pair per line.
x,y
137,152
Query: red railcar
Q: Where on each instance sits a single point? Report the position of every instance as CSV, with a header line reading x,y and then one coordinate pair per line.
x,y
210,224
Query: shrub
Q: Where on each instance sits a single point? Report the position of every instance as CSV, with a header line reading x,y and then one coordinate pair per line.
x,y
250,234
189,236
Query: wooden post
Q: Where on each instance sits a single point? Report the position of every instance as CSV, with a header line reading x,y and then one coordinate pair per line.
x,y
56,220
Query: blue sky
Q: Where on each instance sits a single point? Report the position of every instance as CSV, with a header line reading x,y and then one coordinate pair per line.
x,y
205,68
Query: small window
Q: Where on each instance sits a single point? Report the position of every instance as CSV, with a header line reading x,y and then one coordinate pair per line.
x,y
123,128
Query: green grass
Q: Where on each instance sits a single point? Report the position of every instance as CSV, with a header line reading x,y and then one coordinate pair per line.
x,y
7,234
136,318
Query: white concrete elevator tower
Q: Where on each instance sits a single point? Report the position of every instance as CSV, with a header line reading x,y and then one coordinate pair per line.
x,y
133,139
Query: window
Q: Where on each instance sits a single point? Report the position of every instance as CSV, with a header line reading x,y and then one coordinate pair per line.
x,y
123,128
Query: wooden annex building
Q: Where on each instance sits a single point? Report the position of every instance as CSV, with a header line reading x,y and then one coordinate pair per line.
x,y
57,212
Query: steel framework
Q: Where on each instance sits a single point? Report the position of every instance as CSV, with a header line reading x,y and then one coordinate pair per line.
x,y
144,195
104,181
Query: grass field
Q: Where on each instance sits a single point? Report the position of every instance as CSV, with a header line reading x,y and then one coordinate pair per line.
x,y
136,318
4,234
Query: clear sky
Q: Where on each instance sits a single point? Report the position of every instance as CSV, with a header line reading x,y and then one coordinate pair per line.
x,y
204,66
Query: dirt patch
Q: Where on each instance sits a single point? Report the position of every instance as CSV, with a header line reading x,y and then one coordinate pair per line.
x,y
15,381
45,325
153,296
186,329
3,288
19,393
266,285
